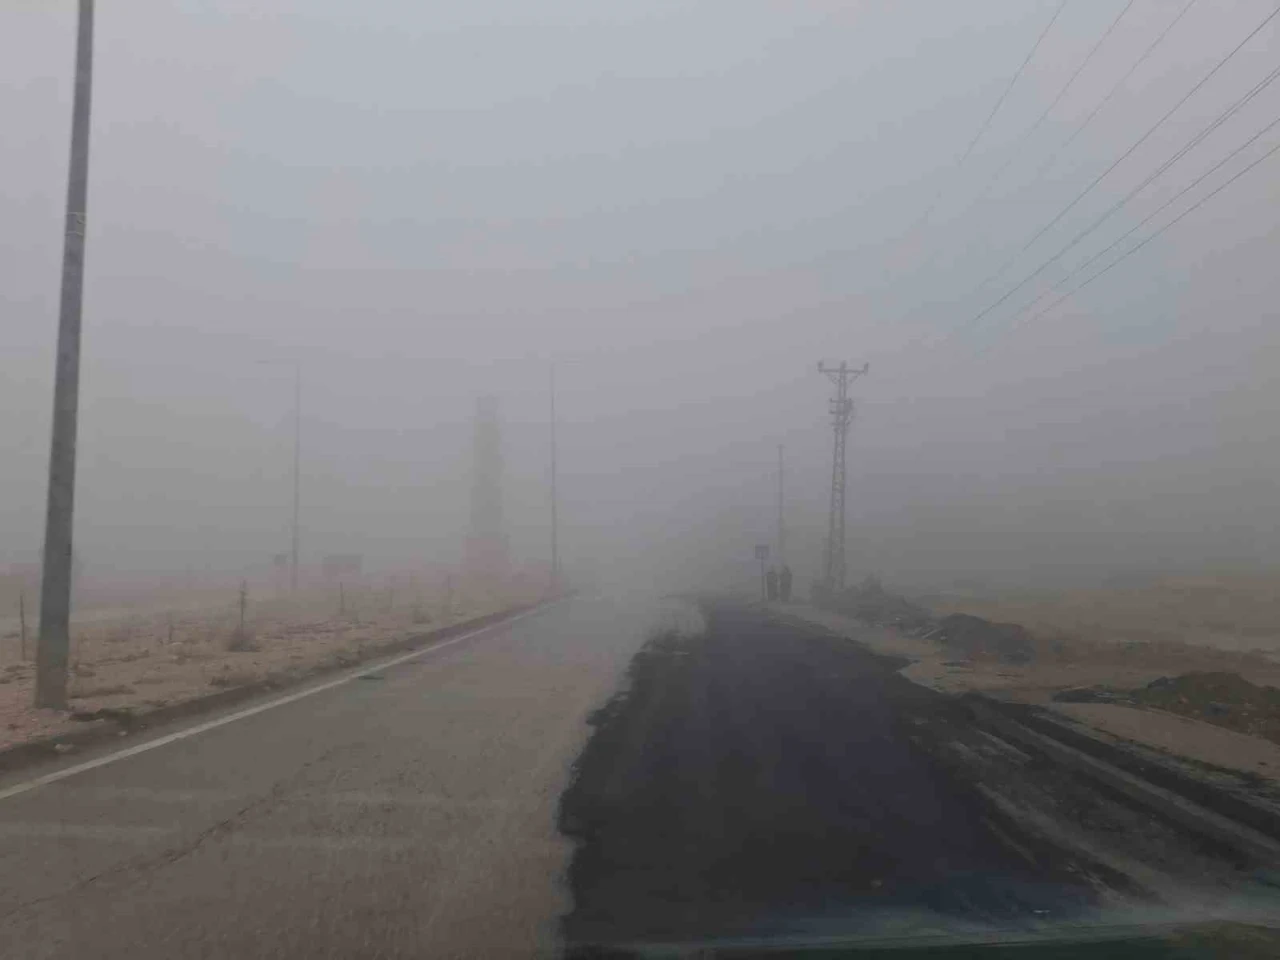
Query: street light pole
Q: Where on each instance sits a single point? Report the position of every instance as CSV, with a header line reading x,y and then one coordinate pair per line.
x,y
55,585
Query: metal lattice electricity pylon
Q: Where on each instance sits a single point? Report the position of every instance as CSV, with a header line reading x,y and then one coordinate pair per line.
x,y
841,417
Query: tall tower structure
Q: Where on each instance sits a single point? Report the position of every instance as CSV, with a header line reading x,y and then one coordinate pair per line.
x,y
487,537
841,417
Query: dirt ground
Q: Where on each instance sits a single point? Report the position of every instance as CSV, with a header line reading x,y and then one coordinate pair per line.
x,y
156,651
1236,613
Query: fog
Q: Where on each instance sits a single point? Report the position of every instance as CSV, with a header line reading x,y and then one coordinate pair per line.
x,y
684,206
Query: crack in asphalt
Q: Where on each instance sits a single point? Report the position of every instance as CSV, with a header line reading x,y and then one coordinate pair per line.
x,y
149,862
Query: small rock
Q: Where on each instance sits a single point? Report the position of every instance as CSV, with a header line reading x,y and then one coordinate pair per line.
x,y
1215,709
63,747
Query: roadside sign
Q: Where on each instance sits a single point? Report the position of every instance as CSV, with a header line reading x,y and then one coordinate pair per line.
x,y
762,551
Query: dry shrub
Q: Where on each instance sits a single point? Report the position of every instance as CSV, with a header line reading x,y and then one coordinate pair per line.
x,y
123,632
347,657
243,640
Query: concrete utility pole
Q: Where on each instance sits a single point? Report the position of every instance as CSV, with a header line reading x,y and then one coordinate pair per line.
x,y
555,525
841,416
55,586
782,530
487,548
295,528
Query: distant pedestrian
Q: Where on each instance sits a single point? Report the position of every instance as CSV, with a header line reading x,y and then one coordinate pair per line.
x,y
771,584
784,584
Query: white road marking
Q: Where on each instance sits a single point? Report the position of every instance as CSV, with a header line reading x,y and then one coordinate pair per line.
x,y
63,774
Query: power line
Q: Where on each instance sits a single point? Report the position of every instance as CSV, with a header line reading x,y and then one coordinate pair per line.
x,y
994,178
1152,215
982,129
1115,88
1080,128
1134,249
1178,155
1062,92
1098,179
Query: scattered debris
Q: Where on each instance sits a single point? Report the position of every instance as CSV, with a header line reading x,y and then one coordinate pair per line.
x,y
871,603
122,715
961,635
1091,695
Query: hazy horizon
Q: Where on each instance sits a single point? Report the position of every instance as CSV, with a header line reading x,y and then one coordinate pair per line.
x,y
685,207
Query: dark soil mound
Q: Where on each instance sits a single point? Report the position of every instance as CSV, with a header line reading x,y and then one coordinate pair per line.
x,y
973,638
871,603
1226,699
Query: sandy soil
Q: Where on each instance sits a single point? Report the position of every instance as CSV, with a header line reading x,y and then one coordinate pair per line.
x,y
1180,735
1233,613
1079,663
156,654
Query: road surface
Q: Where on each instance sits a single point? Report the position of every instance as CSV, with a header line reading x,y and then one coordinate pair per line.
x,y
748,779
765,781
409,814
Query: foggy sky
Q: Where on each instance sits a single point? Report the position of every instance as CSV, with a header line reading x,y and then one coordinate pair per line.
x,y
686,205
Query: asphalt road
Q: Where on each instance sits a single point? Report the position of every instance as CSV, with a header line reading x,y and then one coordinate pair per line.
x,y
765,781
409,814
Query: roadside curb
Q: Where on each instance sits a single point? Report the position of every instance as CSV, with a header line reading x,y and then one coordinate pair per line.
x,y
20,755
